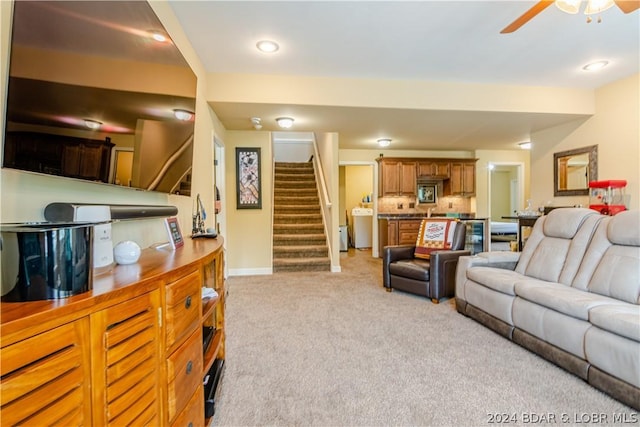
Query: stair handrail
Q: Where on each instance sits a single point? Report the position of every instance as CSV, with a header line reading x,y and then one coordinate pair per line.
x,y
170,161
320,174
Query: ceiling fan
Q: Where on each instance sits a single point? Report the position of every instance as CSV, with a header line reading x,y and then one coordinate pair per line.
x,y
571,6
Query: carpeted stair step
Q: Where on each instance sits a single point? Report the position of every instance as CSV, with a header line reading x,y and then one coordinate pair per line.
x,y
287,199
297,218
294,184
301,264
296,192
298,229
306,251
299,239
295,177
285,209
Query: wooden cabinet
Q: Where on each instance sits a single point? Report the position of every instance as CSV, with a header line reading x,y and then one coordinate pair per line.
x,y
392,232
59,155
397,177
87,160
462,181
183,341
128,352
433,168
126,369
408,231
46,378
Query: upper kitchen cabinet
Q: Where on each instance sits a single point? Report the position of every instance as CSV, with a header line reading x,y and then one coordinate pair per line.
x,y
433,168
462,179
397,177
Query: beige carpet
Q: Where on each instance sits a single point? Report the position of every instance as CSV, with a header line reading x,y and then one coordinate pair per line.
x,y
335,349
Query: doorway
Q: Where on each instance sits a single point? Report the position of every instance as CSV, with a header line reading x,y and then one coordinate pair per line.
x,y
358,189
506,197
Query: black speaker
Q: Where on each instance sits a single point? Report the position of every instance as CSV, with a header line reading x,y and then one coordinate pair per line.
x,y
67,212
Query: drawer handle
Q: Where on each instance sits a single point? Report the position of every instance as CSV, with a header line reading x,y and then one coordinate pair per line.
x,y
187,302
189,367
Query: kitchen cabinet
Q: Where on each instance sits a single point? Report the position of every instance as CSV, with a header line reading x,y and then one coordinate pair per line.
x,y
392,232
128,352
462,181
433,168
397,177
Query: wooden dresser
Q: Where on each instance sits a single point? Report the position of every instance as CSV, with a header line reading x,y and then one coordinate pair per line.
x,y
130,351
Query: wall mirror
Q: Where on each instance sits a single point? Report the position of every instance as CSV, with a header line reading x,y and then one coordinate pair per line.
x,y
93,82
573,169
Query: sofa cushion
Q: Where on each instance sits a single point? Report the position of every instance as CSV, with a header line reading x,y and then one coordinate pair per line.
x,y
613,269
561,298
614,354
565,222
417,269
557,244
623,320
624,229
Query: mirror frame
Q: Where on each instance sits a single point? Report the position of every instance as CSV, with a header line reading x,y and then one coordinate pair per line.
x,y
592,151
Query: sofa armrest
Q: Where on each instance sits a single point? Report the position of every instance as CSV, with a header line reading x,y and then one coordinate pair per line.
x,y
499,259
442,272
391,254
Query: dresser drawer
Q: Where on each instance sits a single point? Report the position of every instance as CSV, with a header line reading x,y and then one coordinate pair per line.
x,y
184,373
182,308
193,414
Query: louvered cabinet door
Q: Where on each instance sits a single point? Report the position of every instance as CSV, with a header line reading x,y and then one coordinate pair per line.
x,y
46,378
125,363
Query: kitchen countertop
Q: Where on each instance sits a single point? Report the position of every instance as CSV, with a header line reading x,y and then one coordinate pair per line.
x,y
411,215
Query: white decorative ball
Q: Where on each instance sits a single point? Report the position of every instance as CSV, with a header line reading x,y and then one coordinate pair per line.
x,y
126,252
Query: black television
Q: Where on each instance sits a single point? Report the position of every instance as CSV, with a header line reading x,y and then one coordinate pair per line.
x,y
98,91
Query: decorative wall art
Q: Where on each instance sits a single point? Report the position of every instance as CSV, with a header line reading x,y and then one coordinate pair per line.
x,y
249,194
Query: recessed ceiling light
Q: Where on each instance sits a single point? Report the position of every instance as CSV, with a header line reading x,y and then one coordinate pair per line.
x,y
92,124
284,122
525,145
594,66
183,115
384,142
267,46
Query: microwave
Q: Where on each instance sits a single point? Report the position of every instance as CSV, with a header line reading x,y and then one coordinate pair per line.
x,y
428,192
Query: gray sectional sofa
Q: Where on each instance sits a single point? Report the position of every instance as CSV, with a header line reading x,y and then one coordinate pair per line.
x,y
572,296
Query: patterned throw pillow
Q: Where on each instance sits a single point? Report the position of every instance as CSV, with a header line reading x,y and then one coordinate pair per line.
x,y
434,235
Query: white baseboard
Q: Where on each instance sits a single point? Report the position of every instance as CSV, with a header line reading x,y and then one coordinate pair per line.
x,y
250,271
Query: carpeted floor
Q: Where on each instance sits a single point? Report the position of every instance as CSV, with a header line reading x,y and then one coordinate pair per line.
x,y
335,349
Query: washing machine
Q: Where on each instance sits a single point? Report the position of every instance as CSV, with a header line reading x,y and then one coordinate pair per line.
x,y
362,227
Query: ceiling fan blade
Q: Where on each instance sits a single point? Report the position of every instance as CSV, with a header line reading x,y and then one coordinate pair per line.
x,y
527,16
628,6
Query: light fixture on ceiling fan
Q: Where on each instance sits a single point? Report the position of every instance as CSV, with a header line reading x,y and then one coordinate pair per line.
x,y
571,6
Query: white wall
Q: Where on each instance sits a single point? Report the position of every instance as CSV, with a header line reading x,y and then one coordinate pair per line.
x,y
615,129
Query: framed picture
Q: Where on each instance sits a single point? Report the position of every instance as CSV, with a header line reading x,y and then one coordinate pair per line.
x,y
249,194
173,229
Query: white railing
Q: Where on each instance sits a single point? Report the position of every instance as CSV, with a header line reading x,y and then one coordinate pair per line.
x,y
325,199
170,161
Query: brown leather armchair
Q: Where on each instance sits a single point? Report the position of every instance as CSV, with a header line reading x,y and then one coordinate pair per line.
x,y
433,278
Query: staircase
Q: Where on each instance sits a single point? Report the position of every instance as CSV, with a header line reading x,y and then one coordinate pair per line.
x,y
299,242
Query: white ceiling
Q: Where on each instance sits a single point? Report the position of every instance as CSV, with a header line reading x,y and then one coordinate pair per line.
x,y
442,41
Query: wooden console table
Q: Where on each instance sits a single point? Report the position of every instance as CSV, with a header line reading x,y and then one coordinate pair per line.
x,y
128,352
